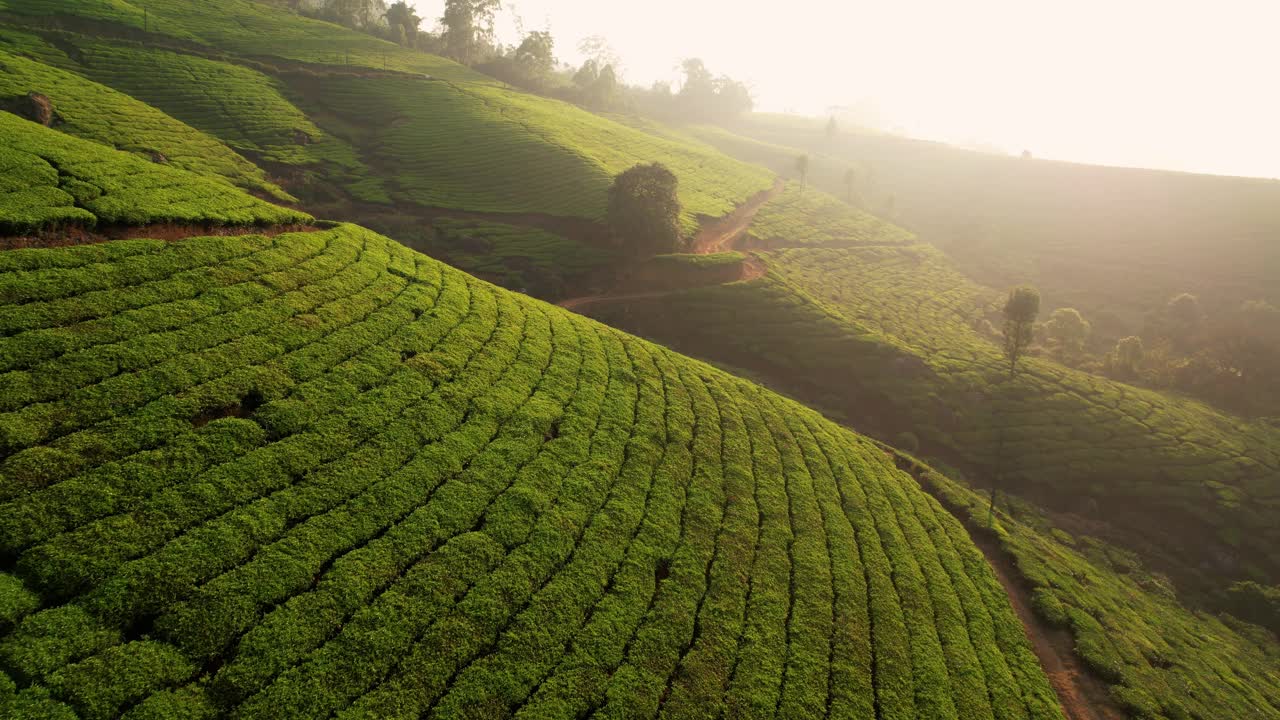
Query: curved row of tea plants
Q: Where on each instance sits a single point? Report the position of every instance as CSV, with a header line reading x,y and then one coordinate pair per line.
x,y
485,148
1162,661
50,179
323,474
242,107
880,336
244,27
95,112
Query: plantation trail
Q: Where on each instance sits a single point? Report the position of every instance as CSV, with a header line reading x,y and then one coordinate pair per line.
x,y
721,234
718,235
1082,694
66,237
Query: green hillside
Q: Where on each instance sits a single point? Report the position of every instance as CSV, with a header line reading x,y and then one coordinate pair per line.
x,y
1112,242
243,27
886,335
880,336
1162,660
50,180
321,473
807,216
486,148
95,112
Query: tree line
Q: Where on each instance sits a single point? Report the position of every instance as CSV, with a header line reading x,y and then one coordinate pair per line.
x,y
465,33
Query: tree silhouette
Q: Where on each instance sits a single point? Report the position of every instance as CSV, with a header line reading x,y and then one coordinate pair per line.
x,y
1020,313
802,167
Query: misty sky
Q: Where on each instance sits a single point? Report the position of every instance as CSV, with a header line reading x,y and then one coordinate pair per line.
x,y
1180,84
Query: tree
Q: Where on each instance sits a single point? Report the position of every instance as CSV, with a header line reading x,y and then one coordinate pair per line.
x,y
352,13
1020,312
1181,320
535,58
468,27
832,128
802,167
850,177
587,75
403,21
603,91
1068,328
644,212
1126,359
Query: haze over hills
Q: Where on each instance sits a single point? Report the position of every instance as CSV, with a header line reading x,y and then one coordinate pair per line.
x,y
264,454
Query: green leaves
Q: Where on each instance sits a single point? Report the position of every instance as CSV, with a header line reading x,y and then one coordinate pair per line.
x,y
322,474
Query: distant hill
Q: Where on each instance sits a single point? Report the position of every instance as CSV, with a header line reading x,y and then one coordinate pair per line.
x,y
1115,243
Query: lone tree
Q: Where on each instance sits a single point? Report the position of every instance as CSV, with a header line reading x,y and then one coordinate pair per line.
x,y
1020,313
832,128
644,212
802,167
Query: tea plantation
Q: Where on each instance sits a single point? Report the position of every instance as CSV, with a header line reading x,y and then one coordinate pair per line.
x,y
50,179
243,27
323,474
1162,660
496,150
88,110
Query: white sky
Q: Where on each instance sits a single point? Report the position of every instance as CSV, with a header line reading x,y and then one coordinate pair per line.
x,y
1179,84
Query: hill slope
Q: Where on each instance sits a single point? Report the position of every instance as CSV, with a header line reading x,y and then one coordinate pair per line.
x,y
1116,243
51,180
322,473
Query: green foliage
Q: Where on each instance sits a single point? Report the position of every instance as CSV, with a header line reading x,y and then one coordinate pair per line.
x,y
1068,329
91,111
644,210
52,179
330,475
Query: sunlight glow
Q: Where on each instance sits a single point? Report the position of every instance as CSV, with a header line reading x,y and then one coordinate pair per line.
x,y
1186,85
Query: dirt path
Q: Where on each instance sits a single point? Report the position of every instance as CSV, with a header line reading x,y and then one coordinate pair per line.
x,y
1083,696
721,234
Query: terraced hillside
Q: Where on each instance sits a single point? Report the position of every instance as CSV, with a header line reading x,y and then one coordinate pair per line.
x,y
321,473
1160,660
367,122
1116,243
881,336
91,111
885,334
243,27
52,180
